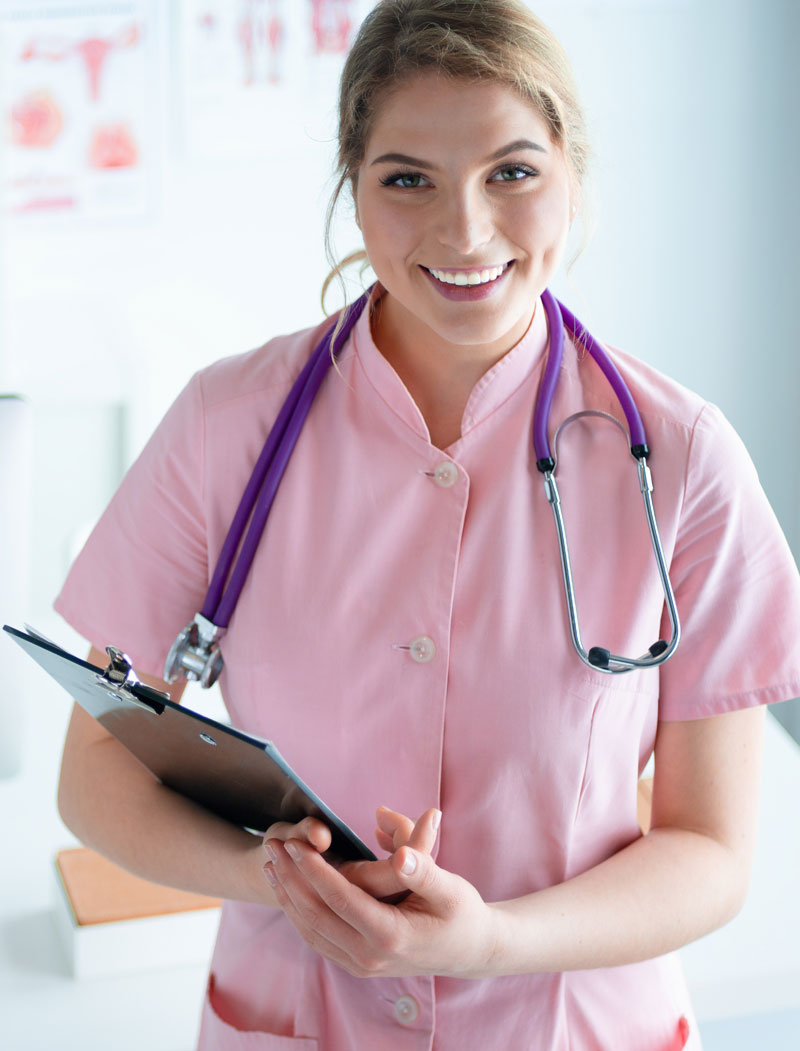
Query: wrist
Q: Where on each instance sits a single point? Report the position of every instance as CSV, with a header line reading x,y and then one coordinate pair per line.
x,y
498,935
508,942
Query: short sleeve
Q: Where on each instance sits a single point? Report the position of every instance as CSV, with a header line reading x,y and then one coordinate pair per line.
x,y
143,572
736,585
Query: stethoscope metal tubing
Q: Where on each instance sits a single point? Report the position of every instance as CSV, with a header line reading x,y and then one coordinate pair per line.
x,y
554,499
614,663
646,486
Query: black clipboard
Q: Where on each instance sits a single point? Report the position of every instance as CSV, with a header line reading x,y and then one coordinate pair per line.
x,y
239,777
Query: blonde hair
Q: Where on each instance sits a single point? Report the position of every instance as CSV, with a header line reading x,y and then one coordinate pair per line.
x,y
500,40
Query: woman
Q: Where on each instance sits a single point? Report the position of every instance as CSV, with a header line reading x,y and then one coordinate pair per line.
x,y
402,634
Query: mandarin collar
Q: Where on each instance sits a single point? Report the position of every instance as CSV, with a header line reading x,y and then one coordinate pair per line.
x,y
493,388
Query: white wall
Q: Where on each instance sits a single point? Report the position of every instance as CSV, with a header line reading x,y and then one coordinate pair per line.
x,y
693,265
695,262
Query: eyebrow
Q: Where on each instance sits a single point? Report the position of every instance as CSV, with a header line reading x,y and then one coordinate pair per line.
x,y
415,162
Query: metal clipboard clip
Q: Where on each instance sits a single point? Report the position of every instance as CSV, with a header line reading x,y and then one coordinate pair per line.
x,y
119,677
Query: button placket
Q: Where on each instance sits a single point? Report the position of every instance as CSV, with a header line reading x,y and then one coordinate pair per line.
x,y
422,648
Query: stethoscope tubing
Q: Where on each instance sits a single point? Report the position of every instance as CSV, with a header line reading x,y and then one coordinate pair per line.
x,y
203,660
559,318
262,487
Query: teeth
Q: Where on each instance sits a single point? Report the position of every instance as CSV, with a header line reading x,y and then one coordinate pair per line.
x,y
469,277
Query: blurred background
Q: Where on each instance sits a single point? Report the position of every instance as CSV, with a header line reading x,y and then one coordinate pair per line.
x,y
165,169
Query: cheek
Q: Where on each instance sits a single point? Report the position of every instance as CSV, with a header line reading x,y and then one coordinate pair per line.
x,y
387,235
543,224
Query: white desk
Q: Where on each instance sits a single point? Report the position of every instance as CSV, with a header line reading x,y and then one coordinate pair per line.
x,y
750,966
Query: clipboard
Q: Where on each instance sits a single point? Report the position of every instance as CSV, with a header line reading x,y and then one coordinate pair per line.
x,y
241,778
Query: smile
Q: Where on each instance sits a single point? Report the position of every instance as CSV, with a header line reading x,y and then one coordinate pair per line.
x,y
469,277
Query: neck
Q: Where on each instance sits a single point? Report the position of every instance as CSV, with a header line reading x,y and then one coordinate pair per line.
x,y
438,375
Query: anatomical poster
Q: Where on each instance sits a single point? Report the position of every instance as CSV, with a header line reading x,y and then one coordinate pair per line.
x,y
254,74
78,97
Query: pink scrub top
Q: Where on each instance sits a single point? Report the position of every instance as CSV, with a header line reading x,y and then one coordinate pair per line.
x,y
378,539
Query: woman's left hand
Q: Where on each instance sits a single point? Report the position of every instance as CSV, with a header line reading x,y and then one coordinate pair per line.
x,y
441,927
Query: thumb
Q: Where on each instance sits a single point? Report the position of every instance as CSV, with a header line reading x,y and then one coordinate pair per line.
x,y
419,873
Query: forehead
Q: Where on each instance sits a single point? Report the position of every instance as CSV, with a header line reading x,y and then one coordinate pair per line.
x,y
433,112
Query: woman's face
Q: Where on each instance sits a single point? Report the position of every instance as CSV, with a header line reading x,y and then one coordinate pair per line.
x,y
464,203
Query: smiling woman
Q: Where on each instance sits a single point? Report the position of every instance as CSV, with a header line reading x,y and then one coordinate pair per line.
x,y
403,634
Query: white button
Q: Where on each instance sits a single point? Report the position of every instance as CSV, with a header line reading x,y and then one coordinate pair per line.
x,y
446,474
406,1010
423,649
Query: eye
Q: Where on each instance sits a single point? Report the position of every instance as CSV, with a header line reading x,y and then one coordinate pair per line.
x,y
404,180
513,173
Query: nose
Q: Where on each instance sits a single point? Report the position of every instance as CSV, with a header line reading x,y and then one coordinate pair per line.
x,y
465,223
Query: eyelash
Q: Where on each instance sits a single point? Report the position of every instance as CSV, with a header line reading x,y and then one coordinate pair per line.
x,y
529,172
391,180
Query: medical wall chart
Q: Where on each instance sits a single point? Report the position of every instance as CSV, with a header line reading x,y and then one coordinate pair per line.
x,y
78,104
253,74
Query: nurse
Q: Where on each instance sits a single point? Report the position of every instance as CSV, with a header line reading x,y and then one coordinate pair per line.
x,y
403,636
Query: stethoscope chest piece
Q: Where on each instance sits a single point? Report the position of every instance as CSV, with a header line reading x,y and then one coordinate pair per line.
x,y
195,653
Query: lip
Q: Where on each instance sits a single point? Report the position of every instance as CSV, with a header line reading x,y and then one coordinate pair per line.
x,y
467,293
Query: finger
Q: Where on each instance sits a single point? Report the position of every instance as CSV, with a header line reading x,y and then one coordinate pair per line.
x,y
377,878
309,830
298,908
385,841
348,909
420,875
425,831
395,825
399,830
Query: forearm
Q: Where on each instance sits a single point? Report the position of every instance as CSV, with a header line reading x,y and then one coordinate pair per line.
x,y
118,808
659,893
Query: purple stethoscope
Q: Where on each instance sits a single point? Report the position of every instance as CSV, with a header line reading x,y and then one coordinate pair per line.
x,y
195,653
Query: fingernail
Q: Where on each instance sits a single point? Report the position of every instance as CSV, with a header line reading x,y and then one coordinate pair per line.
x,y
409,864
436,820
272,854
292,851
272,879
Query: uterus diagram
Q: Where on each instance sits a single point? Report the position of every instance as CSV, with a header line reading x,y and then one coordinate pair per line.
x,y
38,117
